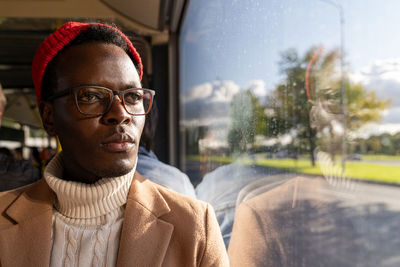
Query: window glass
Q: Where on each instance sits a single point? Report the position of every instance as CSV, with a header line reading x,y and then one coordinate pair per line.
x,y
290,127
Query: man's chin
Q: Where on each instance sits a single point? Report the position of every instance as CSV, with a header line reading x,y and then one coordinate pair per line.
x,y
115,170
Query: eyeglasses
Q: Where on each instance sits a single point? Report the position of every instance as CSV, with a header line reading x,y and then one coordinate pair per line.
x,y
97,100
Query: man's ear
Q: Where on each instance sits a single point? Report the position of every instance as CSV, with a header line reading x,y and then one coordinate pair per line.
x,y
46,113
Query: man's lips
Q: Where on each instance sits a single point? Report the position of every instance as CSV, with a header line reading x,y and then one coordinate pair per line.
x,y
118,143
118,147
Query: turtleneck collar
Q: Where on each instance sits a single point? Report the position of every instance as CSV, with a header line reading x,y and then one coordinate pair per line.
x,y
85,201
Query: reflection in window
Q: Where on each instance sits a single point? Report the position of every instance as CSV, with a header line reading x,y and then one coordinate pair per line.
x,y
289,118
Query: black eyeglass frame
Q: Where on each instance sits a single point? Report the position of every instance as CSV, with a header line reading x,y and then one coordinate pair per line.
x,y
121,94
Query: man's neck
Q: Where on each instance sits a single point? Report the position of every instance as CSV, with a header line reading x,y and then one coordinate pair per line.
x,y
72,171
86,179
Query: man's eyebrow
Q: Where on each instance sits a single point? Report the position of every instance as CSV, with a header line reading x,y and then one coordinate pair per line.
x,y
132,86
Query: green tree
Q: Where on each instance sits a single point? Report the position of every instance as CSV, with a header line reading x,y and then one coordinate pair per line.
x,y
362,106
290,102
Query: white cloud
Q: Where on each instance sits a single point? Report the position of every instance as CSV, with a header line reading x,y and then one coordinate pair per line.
x,y
224,91
391,115
382,76
377,129
209,103
216,91
200,92
257,87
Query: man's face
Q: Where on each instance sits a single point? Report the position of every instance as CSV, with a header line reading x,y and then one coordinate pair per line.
x,y
102,146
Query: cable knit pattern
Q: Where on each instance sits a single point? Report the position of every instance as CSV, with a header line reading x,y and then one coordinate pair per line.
x,y
87,220
99,253
71,238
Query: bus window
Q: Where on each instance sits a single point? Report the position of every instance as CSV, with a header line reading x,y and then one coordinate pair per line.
x,y
289,127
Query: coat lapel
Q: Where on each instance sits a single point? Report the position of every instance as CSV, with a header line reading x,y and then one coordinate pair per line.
x,y
144,237
31,214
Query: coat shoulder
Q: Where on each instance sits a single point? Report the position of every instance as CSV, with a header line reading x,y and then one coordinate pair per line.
x,y
170,205
287,194
182,203
7,198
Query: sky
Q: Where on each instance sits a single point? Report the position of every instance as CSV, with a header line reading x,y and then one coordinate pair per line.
x,y
238,44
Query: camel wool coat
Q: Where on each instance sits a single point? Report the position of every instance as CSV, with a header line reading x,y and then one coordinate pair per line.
x,y
160,228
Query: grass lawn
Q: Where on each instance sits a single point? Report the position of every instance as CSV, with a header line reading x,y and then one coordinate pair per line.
x,y
381,157
358,170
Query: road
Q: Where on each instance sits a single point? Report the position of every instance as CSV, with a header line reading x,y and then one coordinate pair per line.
x,y
372,213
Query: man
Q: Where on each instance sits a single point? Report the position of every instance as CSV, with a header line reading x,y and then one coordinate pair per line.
x,y
91,208
14,172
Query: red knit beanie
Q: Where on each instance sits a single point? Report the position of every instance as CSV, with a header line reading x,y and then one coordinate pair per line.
x,y
58,40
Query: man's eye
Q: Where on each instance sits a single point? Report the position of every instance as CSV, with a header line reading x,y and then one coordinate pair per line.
x,y
133,97
90,97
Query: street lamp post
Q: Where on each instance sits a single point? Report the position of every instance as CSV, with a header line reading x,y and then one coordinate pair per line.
x,y
342,82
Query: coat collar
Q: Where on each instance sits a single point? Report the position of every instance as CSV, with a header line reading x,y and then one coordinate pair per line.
x,y
145,236
38,199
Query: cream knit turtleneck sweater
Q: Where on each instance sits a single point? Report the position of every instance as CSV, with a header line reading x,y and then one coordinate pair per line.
x,y
87,219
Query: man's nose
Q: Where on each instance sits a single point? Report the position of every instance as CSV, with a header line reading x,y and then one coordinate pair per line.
x,y
117,113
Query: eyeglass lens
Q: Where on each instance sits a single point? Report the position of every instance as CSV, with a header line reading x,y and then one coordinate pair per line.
x,y
93,101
